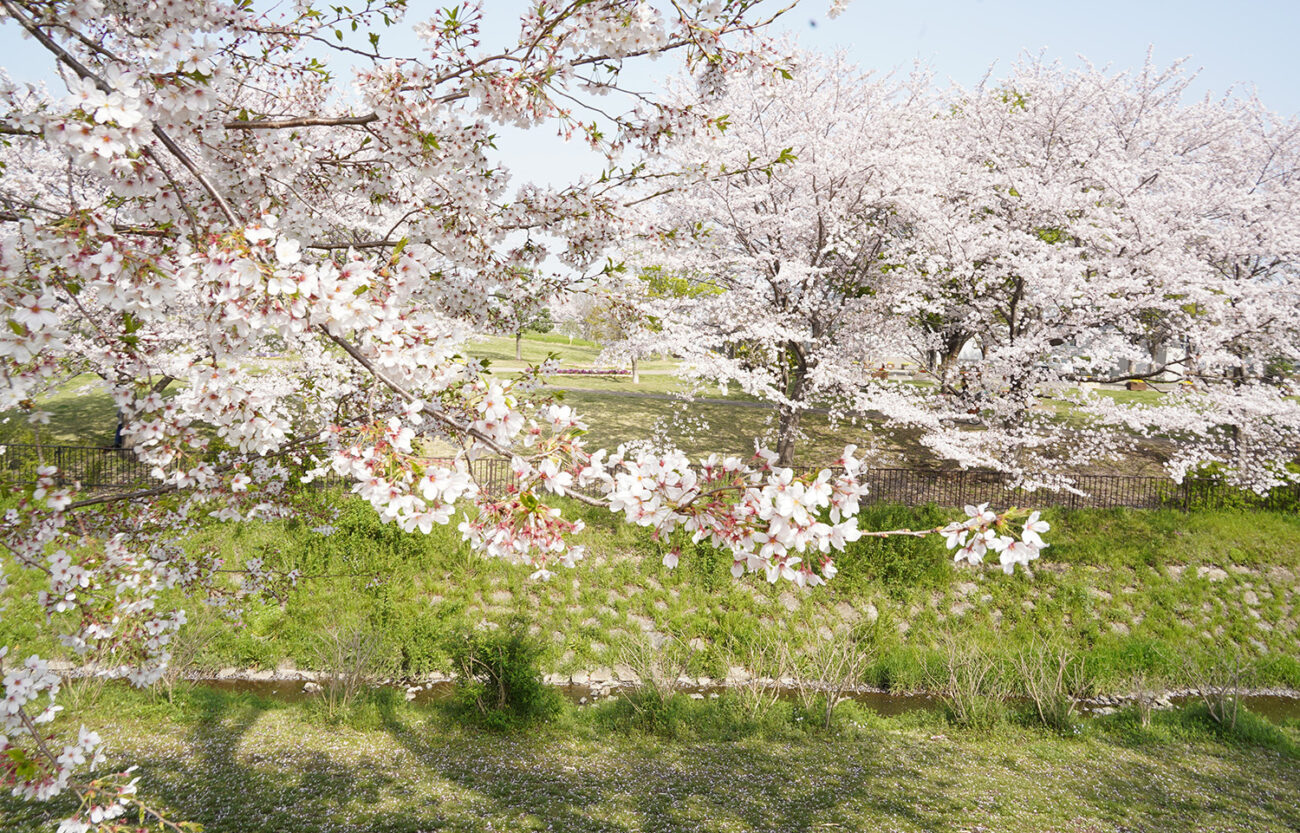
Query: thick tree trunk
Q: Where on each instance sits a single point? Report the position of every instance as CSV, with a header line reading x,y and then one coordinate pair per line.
x,y
519,346
788,433
947,369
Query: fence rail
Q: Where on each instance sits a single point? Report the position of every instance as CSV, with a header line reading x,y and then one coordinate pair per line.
x,y
93,467
98,468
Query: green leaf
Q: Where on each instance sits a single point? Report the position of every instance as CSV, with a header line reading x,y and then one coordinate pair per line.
x,y
24,767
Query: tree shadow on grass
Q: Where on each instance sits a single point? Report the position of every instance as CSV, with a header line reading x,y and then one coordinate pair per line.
x,y
249,765
1262,791
650,785
1179,796
226,784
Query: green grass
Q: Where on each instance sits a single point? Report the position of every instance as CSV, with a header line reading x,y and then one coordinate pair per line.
x,y
660,382
81,413
239,764
1132,397
702,428
538,347
1127,591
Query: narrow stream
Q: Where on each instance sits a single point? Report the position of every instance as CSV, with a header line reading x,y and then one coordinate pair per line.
x,y
1273,707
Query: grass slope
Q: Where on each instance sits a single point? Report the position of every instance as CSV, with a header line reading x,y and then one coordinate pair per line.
x,y
1128,591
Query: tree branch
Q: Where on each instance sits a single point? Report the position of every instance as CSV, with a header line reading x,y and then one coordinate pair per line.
x,y
304,121
83,72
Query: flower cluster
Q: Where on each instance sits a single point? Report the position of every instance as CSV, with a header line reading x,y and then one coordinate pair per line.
x,y
985,531
770,520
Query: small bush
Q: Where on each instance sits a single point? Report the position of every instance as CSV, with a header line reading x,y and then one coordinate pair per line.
x,y
766,661
1220,680
657,664
826,670
968,682
644,709
349,661
498,679
1145,690
1052,678
189,649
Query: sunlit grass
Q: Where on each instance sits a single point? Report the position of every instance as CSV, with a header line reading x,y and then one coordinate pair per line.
x,y
240,764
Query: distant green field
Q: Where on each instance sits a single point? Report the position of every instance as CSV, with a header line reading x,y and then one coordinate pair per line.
x,y
82,413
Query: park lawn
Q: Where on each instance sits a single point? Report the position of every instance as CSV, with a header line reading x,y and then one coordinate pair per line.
x,y
537,347
655,382
240,764
82,412
706,427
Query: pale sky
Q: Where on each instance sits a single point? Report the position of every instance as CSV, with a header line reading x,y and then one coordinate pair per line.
x,y
1247,44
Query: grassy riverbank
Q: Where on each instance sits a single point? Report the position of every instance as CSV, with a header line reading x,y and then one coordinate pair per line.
x,y
1153,593
239,764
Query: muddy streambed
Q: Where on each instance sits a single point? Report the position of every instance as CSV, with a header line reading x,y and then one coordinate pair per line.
x,y
1274,706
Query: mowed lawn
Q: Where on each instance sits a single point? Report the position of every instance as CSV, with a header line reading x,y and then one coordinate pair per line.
x,y
236,764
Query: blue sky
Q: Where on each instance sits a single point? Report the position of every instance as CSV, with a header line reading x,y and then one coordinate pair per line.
x,y
1248,44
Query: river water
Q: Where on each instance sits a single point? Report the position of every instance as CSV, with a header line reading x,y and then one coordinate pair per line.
x,y
1273,707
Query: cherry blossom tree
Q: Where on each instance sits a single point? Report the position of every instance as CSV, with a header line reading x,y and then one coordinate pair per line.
x,y
209,203
1095,227
795,242
1072,225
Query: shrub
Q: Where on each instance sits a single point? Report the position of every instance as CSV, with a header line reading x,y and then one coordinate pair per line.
x,y
766,661
657,666
349,660
968,682
826,670
1220,680
498,679
1145,690
1052,678
189,649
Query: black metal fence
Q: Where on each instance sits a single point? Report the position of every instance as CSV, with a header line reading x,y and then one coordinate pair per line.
x,y
108,468
91,466
915,487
